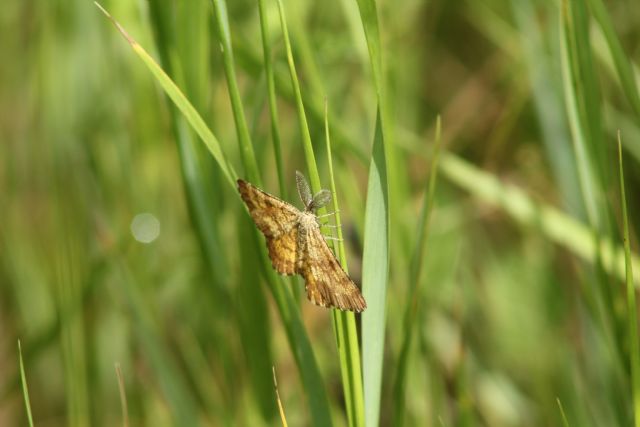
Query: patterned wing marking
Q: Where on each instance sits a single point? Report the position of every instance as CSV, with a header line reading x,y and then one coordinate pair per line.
x,y
273,216
327,284
282,251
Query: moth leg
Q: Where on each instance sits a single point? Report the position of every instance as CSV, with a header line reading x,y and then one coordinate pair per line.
x,y
329,214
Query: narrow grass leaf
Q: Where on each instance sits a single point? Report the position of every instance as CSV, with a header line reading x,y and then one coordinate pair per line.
x,y
271,93
565,422
183,104
123,396
411,309
283,418
242,130
25,388
575,81
346,331
632,314
620,59
554,224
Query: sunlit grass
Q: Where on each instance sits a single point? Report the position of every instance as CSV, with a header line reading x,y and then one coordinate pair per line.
x,y
496,297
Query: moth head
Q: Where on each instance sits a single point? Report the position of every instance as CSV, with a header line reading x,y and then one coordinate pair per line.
x,y
310,203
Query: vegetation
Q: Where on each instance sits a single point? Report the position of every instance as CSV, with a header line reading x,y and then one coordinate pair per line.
x,y
475,151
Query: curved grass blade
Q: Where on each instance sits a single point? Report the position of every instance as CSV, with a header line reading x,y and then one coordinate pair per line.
x,y
556,225
25,389
181,101
296,333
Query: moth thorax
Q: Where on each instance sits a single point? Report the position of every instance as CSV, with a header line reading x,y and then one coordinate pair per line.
x,y
307,220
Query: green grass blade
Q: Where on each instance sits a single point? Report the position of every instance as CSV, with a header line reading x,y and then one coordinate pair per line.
x,y
375,262
307,146
620,59
554,224
576,82
632,314
25,388
375,272
242,130
565,422
271,92
411,309
122,390
346,332
181,101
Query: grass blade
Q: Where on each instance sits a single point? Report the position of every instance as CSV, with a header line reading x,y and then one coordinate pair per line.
x,y
375,260
553,223
621,61
411,309
632,314
345,327
271,93
346,332
375,271
242,130
181,101
25,388
123,396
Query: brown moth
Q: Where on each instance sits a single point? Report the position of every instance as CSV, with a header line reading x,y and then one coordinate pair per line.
x,y
296,245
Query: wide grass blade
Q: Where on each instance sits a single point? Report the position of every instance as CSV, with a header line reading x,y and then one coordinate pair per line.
x,y
375,272
632,314
375,259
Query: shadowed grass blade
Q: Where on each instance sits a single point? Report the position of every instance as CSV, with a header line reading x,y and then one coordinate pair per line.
x,y
632,314
411,309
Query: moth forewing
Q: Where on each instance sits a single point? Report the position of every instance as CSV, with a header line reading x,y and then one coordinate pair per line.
x,y
296,245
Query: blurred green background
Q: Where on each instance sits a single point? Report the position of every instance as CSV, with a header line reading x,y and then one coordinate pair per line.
x,y
122,241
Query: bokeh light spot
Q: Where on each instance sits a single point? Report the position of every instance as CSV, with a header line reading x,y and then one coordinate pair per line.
x,y
145,227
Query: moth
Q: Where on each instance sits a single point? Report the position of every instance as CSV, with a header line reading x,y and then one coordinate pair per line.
x,y
296,245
